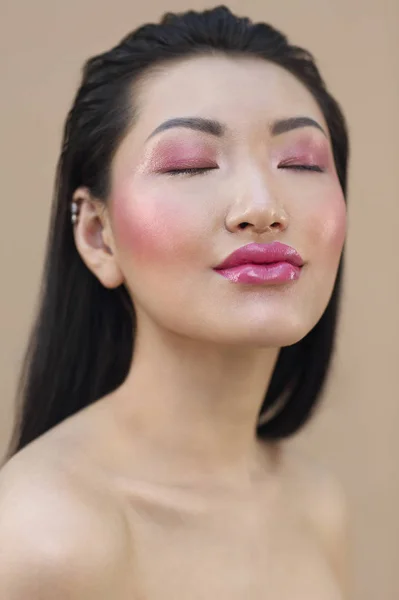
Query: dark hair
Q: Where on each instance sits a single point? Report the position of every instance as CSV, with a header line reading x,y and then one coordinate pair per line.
x,y
81,344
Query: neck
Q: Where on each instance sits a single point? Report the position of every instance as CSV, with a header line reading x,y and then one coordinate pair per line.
x,y
193,406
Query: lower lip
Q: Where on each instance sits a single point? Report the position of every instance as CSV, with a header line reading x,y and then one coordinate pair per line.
x,y
273,273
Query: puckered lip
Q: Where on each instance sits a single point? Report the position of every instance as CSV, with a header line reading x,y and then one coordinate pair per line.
x,y
261,254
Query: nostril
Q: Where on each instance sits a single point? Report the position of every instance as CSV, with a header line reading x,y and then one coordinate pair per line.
x,y
275,225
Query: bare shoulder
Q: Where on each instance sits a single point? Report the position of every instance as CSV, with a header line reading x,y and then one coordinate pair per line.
x,y
322,500
322,494
58,531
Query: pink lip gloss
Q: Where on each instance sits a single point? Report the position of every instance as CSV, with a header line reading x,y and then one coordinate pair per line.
x,y
273,273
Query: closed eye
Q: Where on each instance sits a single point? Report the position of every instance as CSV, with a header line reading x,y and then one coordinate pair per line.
x,y
195,171
315,168
203,170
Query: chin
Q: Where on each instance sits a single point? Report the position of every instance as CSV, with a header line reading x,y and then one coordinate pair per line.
x,y
262,327
274,337
275,334
278,329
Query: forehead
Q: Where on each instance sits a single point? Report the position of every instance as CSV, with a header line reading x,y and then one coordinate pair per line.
x,y
237,90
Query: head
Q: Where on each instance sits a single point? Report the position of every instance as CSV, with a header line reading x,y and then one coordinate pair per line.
x,y
267,147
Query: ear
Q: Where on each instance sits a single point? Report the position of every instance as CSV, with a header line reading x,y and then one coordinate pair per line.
x,y
94,240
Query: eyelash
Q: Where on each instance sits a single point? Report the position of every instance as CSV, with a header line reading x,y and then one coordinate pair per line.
x,y
197,171
202,171
314,168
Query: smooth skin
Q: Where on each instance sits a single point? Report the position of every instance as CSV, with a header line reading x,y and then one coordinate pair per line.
x,y
161,489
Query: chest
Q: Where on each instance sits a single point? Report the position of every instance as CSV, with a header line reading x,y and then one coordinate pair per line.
x,y
230,552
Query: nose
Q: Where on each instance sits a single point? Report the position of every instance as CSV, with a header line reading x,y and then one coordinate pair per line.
x,y
257,206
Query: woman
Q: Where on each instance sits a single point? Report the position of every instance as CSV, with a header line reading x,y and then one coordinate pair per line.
x,y
185,329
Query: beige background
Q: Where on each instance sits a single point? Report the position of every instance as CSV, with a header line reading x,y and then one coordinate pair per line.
x,y
43,46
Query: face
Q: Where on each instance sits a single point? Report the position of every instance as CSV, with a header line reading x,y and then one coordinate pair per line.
x,y
250,181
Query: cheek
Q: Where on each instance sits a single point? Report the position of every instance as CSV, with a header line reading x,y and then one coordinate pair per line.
x,y
151,229
327,226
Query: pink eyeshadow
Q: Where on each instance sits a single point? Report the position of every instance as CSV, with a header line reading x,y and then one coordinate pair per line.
x,y
308,151
167,155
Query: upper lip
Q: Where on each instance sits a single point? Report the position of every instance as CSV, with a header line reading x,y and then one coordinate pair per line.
x,y
262,254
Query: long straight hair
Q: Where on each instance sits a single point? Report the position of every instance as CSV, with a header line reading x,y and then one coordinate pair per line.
x,y
82,340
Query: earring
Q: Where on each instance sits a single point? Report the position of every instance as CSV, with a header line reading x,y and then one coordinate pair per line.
x,y
75,212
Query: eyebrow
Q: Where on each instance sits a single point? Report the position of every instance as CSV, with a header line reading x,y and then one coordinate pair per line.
x,y
218,129
210,126
284,125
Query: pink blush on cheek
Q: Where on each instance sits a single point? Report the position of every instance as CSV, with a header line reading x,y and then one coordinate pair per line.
x,y
328,225
148,230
